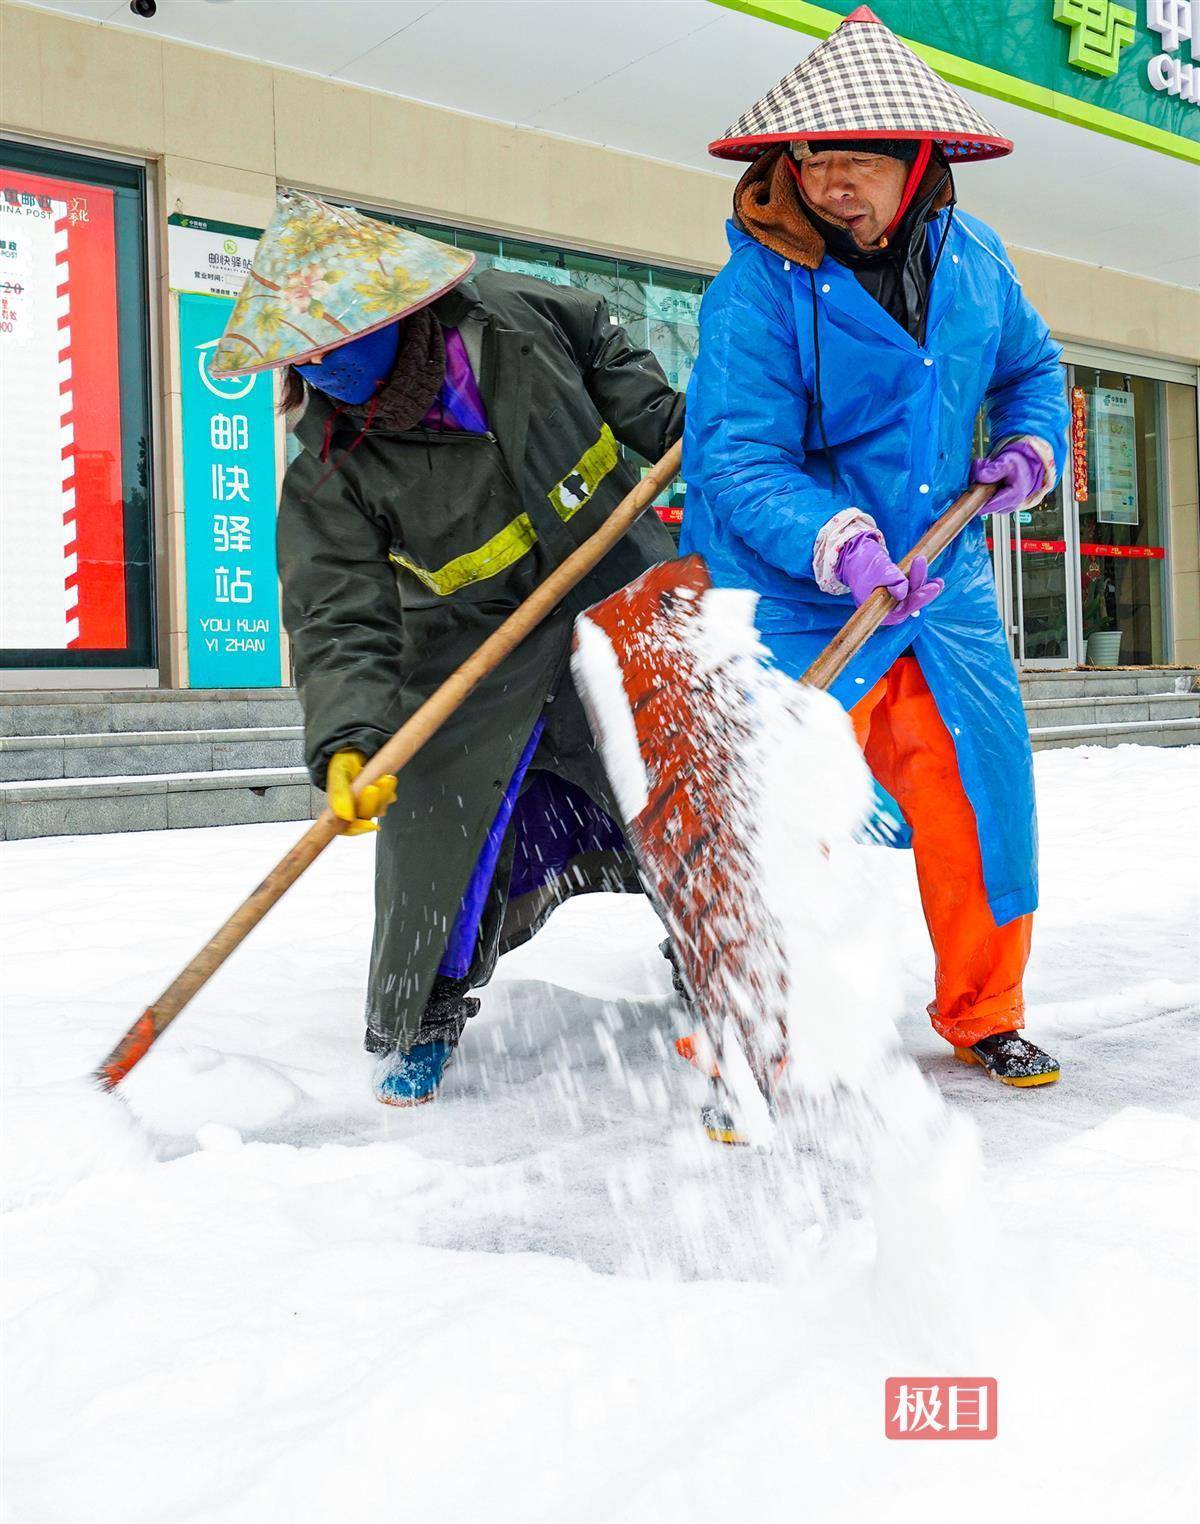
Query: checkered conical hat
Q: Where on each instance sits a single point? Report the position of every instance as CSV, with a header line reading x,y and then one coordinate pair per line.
x,y
324,274
862,82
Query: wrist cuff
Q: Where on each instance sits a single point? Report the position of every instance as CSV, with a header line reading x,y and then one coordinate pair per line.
x,y
832,538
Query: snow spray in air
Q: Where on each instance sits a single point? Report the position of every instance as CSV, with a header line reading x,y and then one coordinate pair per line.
x,y
742,793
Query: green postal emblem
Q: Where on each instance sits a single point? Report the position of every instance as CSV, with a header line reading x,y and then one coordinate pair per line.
x,y
1099,30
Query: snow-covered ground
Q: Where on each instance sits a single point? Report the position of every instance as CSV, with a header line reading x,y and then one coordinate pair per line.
x,y
248,1292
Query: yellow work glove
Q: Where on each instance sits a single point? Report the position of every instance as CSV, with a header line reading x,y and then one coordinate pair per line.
x,y
344,767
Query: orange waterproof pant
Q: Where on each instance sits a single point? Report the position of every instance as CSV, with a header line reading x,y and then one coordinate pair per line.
x,y
980,965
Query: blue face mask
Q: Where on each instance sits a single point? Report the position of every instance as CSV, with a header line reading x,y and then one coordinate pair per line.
x,y
352,371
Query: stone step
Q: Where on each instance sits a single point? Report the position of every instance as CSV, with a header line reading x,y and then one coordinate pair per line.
x,y
142,709
144,696
156,802
1115,709
30,758
1184,732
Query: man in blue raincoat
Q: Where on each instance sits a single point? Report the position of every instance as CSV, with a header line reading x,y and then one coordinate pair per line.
x,y
847,348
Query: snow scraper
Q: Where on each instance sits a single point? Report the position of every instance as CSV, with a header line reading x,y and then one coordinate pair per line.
x,y
675,719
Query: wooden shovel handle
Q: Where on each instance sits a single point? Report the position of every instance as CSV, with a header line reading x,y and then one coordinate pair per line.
x,y
390,758
156,1018
867,618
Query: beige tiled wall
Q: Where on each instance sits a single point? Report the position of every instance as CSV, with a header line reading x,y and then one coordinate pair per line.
x,y
222,131
1091,304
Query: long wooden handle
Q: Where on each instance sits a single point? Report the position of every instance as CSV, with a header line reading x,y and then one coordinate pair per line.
x,y
867,618
390,758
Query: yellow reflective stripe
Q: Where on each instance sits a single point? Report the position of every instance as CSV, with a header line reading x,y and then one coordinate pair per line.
x,y
569,495
491,558
497,554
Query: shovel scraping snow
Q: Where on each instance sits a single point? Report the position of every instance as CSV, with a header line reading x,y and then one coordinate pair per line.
x,y
662,671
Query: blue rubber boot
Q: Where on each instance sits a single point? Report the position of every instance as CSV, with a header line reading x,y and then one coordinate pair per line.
x,y
412,1078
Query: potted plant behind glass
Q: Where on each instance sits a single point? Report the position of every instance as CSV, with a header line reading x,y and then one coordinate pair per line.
x,y
1100,627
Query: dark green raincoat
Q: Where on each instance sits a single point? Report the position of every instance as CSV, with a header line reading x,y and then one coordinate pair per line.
x,y
399,558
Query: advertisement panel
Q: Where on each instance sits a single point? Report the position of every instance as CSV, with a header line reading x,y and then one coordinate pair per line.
x,y
205,255
1114,456
229,498
62,510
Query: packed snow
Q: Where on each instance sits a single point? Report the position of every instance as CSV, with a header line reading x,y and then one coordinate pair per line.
x,y
243,1290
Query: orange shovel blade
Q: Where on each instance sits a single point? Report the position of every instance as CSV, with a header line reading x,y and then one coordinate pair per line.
x,y
684,799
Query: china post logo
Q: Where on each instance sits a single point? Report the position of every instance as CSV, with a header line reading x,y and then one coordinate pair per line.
x,y
1176,70
1099,30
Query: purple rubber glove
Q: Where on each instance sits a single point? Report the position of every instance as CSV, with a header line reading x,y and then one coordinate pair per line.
x,y
863,564
1020,471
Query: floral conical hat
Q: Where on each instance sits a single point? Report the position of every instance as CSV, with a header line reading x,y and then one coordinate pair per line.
x,y
862,82
323,274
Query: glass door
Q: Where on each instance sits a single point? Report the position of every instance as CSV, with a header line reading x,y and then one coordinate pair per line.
x,y
1032,552
1041,551
1117,483
1090,564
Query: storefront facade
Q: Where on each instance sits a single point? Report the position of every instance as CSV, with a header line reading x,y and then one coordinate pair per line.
x,y
136,540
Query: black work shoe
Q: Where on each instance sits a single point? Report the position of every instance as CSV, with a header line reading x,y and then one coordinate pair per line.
x,y
718,1118
1007,1057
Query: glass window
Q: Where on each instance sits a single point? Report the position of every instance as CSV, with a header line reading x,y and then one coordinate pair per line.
x,y
531,259
76,550
596,273
1122,549
485,249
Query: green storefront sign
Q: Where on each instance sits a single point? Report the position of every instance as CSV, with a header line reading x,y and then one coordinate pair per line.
x,y
1131,71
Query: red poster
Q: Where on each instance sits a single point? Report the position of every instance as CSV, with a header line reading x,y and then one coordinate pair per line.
x,y
63,537
1079,458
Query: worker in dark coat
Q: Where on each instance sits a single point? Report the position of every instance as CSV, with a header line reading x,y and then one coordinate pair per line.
x,y
459,439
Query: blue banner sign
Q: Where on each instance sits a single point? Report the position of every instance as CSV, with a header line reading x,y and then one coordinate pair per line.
x,y
229,502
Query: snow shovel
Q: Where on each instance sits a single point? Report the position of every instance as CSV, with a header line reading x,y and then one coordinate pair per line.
x,y
390,758
674,733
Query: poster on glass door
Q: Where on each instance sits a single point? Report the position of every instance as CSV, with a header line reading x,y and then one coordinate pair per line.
x,y
1114,457
62,514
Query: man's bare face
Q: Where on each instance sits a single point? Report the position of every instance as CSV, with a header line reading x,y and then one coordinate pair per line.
x,y
863,190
